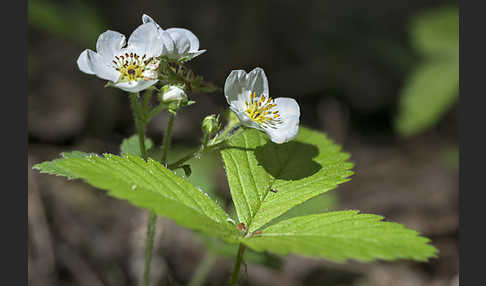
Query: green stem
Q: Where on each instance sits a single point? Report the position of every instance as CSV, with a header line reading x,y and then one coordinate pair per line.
x,y
156,111
146,99
191,155
239,259
167,135
206,145
203,270
139,123
139,113
149,245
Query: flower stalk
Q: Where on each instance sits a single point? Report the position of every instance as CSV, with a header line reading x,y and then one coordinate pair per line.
x,y
239,259
149,245
140,124
152,216
167,137
140,115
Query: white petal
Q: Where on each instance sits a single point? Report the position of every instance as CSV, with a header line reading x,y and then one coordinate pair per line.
x,y
109,44
135,86
185,33
257,81
239,103
289,115
287,107
83,63
167,42
182,43
236,88
93,63
195,54
284,132
146,40
147,19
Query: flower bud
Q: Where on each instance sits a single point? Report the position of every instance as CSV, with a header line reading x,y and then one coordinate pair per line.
x,y
210,124
171,93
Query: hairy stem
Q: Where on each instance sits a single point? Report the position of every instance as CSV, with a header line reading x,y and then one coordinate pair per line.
x,y
149,245
156,111
167,136
222,135
139,123
140,116
239,259
207,145
153,217
191,155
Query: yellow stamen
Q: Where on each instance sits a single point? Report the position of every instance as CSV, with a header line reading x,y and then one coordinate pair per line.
x,y
130,66
260,110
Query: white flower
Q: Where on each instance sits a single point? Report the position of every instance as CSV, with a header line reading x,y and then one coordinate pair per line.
x,y
132,68
179,43
173,93
249,99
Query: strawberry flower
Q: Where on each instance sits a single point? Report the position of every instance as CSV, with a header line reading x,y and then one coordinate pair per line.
x,y
179,44
131,67
248,97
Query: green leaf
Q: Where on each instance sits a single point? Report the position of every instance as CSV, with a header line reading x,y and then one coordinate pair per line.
x,y
435,33
298,170
432,88
152,186
50,167
319,204
77,21
131,145
430,92
343,235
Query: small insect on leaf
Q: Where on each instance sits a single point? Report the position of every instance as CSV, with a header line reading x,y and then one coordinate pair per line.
x,y
273,190
242,227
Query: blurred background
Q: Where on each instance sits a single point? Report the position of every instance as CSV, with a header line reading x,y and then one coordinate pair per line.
x,y
379,77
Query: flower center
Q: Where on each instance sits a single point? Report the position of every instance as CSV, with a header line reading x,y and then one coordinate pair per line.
x,y
132,67
261,110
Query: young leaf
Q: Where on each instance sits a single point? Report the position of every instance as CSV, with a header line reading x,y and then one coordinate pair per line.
x,y
267,179
435,33
131,145
433,87
343,235
62,18
148,185
431,90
